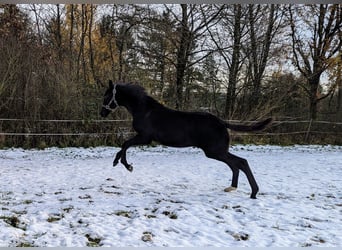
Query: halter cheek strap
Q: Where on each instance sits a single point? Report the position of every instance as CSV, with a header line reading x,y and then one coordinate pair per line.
x,y
112,100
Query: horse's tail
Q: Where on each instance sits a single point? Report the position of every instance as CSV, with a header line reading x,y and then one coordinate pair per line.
x,y
253,127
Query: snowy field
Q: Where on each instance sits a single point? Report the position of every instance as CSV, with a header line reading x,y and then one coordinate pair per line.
x,y
173,197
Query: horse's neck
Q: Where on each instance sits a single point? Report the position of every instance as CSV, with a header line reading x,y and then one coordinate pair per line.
x,y
140,109
135,107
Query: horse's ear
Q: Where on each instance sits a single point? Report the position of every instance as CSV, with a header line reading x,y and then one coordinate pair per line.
x,y
110,84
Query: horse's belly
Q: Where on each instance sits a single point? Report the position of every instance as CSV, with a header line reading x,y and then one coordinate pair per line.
x,y
178,139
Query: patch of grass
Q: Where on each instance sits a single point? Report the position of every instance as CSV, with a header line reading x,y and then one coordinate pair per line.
x,y
318,239
127,214
147,236
27,202
238,236
68,209
87,196
93,242
153,211
171,215
311,197
55,217
17,212
110,192
150,216
25,244
13,221
65,199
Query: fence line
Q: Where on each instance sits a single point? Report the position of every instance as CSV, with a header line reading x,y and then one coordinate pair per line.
x,y
131,133
275,123
61,121
286,133
56,134
128,120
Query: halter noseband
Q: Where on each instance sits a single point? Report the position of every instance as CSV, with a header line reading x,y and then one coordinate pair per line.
x,y
112,100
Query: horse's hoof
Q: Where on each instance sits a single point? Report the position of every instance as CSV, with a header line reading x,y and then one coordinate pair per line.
x,y
253,196
129,168
229,189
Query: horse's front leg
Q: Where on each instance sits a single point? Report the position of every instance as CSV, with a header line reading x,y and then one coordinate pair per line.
x,y
136,140
117,158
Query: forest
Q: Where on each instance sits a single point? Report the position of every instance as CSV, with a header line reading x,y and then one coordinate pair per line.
x,y
241,62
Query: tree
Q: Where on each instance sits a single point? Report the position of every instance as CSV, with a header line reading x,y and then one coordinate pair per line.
x,y
314,50
192,22
211,82
235,61
228,38
264,23
14,37
119,28
157,50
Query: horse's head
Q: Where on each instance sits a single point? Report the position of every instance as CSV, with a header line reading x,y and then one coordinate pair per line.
x,y
109,100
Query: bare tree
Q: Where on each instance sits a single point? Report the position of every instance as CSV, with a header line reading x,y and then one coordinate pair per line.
x,y
71,18
235,61
313,54
264,23
228,39
91,50
193,22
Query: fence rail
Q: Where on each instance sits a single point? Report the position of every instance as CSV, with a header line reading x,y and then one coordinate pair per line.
x,y
128,120
274,123
16,132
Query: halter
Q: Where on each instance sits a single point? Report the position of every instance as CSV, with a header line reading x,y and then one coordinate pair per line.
x,y
112,100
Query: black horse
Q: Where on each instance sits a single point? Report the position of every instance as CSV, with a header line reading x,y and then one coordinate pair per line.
x,y
154,122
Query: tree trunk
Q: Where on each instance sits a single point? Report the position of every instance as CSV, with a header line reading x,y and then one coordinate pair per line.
x,y
233,71
59,34
314,84
182,56
259,52
71,37
81,56
91,52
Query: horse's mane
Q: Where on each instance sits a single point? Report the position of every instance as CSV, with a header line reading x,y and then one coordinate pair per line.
x,y
139,93
134,90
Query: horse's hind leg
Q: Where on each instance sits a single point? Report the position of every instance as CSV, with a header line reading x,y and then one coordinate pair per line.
x,y
235,179
240,163
223,157
236,163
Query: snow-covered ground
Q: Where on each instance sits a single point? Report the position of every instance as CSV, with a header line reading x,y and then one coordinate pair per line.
x,y
173,197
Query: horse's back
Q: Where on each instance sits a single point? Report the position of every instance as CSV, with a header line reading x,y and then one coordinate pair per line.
x,y
182,129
